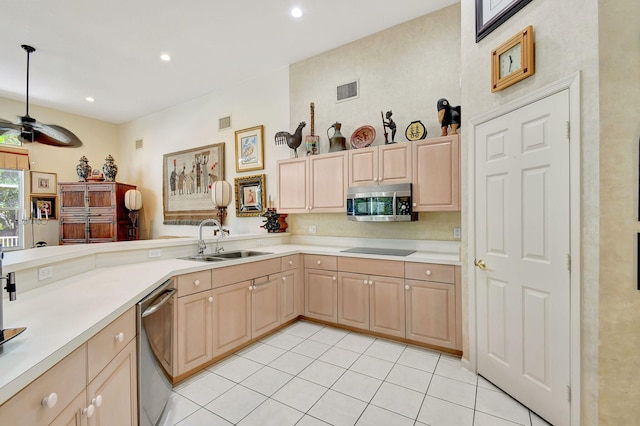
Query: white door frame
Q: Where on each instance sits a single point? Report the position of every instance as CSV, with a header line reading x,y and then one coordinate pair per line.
x,y
572,83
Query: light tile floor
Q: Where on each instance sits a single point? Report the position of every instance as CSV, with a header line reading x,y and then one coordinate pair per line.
x,y
309,374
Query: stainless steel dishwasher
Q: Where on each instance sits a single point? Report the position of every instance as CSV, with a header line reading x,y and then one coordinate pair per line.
x,y
155,332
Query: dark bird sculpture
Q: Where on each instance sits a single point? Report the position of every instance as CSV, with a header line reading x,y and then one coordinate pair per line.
x,y
292,140
448,116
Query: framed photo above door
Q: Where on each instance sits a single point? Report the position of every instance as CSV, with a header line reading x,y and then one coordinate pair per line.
x,y
490,14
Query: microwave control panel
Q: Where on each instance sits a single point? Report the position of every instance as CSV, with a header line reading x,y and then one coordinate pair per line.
x,y
403,206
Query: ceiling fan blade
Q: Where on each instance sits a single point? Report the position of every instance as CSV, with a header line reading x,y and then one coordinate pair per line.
x,y
7,127
50,134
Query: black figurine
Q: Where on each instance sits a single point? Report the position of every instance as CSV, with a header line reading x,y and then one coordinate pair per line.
x,y
391,125
293,141
448,116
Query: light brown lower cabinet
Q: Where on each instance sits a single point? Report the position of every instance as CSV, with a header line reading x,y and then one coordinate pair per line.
x,y
321,294
65,395
372,303
193,331
231,316
265,305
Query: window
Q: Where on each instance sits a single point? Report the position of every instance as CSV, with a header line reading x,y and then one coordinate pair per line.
x,y
10,139
11,204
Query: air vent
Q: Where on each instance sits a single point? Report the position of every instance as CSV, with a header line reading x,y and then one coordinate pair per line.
x,y
224,123
138,144
347,91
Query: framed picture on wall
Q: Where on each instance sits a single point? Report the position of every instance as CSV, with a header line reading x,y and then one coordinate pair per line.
x,y
44,183
490,14
250,149
44,207
250,196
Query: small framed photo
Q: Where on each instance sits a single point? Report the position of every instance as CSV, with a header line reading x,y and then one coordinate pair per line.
x,y
250,195
44,183
250,149
44,207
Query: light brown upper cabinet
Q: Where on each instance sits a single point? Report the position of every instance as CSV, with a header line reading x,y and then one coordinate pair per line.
x,y
385,164
314,184
436,174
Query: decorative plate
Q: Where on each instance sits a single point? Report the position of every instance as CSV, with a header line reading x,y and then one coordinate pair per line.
x,y
363,137
415,131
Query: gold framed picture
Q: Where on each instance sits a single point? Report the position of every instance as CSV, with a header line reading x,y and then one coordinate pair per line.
x,y
513,60
250,149
250,195
44,183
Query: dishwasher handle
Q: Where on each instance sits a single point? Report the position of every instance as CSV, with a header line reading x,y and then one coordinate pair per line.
x,y
163,299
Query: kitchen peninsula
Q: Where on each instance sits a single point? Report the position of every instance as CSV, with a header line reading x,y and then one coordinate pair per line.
x,y
93,285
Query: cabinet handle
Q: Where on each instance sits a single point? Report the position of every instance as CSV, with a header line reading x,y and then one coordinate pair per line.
x,y
428,272
406,287
250,287
319,262
284,278
88,411
370,282
415,205
119,337
97,401
365,282
196,282
291,262
210,299
334,278
50,400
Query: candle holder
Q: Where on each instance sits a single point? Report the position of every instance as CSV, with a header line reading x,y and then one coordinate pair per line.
x,y
34,221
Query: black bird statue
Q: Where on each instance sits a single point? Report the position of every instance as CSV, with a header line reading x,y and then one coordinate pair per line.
x,y
292,140
448,116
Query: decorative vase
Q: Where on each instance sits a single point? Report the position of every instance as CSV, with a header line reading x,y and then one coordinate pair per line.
x,y
337,141
83,169
109,169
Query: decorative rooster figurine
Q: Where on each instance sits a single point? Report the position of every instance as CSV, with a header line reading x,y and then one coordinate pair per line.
x,y
292,140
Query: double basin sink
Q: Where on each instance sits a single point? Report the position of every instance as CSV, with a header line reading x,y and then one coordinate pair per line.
x,y
219,257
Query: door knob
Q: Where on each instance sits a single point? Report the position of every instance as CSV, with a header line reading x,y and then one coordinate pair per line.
x,y
480,264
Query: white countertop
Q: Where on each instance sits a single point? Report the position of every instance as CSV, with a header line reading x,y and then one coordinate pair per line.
x,y
63,315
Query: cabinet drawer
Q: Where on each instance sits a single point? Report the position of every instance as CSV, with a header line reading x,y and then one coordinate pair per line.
x,y
289,262
386,268
328,263
430,272
66,379
105,345
193,282
248,271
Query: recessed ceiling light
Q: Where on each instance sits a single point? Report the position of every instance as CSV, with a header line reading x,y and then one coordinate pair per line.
x,y
165,57
296,12
90,99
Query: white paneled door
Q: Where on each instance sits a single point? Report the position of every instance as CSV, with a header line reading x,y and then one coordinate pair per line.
x,y
522,255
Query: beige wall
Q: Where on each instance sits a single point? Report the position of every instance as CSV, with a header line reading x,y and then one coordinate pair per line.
x,y
405,69
619,299
99,139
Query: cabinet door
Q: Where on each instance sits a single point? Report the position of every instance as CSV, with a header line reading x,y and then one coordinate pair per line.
x,y
387,305
394,164
73,414
363,166
102,228
436,174
353,300
72,229
231,316
289,295
321,295
73,198
194,330
431,313
114,391
328,182
293,187
264,306
101,195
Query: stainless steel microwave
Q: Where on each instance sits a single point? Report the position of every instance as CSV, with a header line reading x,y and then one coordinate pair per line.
x,y
380,203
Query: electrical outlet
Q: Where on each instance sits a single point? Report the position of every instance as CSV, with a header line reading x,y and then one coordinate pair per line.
x,y
155,253
45,273
312,229
457,234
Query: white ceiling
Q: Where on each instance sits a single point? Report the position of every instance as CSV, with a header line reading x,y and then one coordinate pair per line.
x,y
110,49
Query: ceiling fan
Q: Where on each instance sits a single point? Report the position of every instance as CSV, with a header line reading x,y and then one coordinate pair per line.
x,y
30,130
